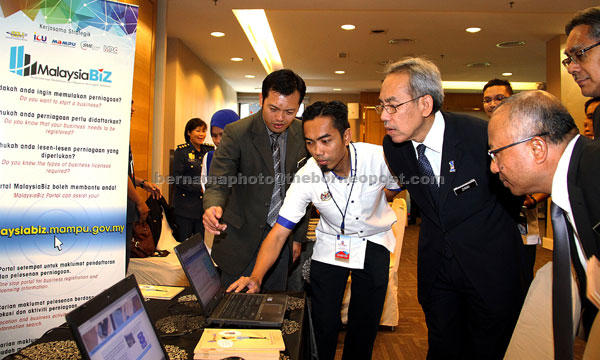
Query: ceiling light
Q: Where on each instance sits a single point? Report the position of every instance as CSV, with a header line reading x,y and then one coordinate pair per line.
x,y
400,41
236,59
478,85
348,27
337,89
340,72
249,76
257,29
217,34
507,74
479,65
473,30
508,44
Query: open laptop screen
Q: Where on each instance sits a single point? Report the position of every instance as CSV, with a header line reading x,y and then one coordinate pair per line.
x,y
120,330
201,272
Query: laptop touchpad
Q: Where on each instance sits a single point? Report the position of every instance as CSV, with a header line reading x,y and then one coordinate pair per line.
x,y
271,310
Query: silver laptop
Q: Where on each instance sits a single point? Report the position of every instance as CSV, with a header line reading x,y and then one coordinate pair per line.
x,y
222,308
115,325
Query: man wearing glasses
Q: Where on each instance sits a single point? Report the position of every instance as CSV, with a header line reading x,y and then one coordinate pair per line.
x,y
536,148
494,92
583,55
468,267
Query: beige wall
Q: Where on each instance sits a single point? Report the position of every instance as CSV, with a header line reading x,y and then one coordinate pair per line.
x,y
192,89
345,98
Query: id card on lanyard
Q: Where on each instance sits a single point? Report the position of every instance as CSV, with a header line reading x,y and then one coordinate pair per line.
x,y
342,247
342,241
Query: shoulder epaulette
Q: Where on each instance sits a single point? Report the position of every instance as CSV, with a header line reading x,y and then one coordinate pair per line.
x,y
183,146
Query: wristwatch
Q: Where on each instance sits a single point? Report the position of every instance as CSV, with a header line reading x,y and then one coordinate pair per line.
x,y
142,183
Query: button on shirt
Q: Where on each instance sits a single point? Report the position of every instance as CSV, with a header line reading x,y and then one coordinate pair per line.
x,y
369,216
560,194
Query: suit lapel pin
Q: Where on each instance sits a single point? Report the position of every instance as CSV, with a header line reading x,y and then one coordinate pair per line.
x,y
325,196
452,168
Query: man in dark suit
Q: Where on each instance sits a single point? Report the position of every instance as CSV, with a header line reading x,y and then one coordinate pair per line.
x,y
583,55
245,189
536,148
469,283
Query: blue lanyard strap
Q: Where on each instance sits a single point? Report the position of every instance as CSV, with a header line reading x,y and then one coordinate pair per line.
x,y
342,225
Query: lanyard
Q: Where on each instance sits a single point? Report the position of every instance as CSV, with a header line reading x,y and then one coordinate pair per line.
x,y
342,225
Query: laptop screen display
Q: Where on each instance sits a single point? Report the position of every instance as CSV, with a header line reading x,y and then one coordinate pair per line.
x,y
122,330
201,272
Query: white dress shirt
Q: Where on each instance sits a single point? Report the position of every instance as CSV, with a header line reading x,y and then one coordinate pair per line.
x,y
368,217
434,143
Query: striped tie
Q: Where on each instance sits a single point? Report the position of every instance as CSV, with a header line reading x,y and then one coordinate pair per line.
x,y
276,198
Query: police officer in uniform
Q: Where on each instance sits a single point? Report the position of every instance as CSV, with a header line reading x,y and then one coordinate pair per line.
x,y
187,169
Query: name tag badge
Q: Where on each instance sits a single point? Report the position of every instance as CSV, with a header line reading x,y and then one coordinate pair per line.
x,y
464,187
342,248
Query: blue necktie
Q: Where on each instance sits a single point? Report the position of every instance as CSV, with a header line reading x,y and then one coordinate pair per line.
x,y
276,197
427,172
562,307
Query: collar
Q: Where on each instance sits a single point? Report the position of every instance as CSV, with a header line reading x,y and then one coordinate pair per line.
x,y
435,137
352,154
560,190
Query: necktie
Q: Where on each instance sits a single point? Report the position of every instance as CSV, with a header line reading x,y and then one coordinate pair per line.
x,y
562,308
276,198
427,171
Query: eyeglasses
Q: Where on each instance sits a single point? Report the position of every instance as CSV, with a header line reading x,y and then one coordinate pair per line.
x,y
578,56
492,153
392,109
497,98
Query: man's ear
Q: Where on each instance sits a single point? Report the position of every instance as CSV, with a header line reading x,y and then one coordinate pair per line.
x,y
260,99
539,147
426,105
347,136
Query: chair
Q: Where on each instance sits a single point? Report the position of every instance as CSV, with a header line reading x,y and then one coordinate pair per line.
x,y
390,314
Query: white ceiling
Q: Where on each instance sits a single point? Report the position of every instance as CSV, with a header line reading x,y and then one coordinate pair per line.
x,y
309,38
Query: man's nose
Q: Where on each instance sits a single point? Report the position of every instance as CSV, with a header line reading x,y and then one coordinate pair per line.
x,y
494,167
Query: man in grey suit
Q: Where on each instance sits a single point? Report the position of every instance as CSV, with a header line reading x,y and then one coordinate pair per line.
x,y
250,172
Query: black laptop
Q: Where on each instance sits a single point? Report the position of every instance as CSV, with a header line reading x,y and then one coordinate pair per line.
x,y
116,325
222,308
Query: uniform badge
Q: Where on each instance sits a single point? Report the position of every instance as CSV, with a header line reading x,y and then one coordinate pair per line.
x,y
326,196
192,156
452,168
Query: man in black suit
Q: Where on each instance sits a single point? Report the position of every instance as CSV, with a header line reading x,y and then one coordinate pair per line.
x,y
469,283
246,188
536,148
583,55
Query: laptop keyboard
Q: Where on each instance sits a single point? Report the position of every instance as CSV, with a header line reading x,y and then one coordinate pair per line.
x,y
242,306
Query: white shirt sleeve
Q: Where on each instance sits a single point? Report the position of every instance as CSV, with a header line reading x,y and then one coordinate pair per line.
x,y
204,173
297,198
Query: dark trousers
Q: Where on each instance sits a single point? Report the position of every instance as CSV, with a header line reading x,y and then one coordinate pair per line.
x,y
188,227
369,285
275,279
460,324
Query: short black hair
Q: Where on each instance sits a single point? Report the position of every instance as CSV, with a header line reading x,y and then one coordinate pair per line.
x,y
191,125
589,16
499,82
590,102
336,110
285,82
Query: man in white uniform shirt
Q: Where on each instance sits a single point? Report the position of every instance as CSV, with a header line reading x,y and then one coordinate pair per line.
x,y
350,184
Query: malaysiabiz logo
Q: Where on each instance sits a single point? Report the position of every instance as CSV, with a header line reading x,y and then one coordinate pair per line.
x,y
21,64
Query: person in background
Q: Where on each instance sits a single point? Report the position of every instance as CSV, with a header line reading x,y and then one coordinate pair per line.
x,y
263,151
494,92
187,171
582,50
588,123
137,210
219,120
354,233
468,267
536,148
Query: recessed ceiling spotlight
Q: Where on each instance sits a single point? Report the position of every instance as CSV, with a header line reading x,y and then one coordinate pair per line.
x,y
508,44
249,76
340,72
337,89
479,65
236,59
506,74
473,30
348,27
217,34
